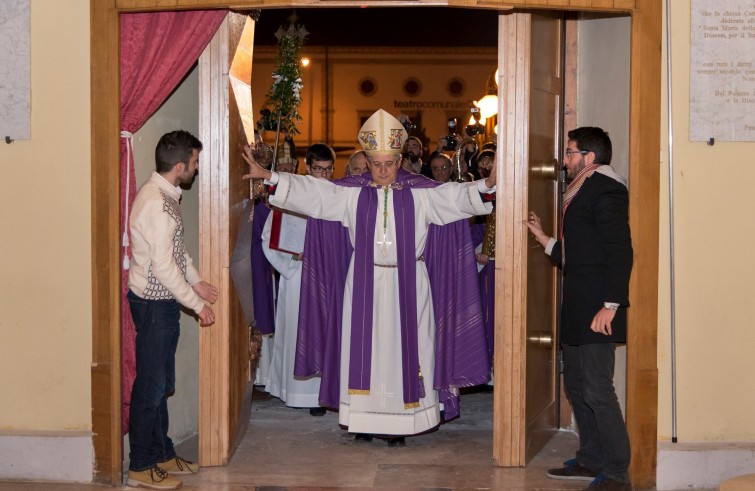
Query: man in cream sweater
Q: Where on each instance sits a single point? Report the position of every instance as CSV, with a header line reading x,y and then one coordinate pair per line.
x,y
161,278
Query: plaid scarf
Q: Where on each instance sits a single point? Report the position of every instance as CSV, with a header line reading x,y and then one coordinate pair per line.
x,y
573,189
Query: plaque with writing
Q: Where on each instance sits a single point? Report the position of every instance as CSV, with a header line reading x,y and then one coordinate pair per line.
x,y
15,70
722,70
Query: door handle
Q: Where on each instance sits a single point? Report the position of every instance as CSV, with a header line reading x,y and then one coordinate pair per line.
x,y
547,170
541,338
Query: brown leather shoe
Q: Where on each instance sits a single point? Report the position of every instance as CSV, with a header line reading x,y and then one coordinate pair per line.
x,y
153,478
179,465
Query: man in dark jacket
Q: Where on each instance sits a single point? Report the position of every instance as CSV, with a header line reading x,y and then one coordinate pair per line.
x,y
595,253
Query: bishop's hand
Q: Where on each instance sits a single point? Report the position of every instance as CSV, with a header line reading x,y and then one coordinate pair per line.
x,y
255,171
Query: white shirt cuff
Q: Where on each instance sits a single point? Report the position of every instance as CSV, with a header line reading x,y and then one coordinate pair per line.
x,y
273,179
549,245
483,188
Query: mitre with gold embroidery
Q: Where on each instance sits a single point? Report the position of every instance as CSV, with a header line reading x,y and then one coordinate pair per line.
x,y
382,134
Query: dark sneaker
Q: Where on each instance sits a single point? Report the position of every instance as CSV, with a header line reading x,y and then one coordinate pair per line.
x,y
153,478
572,471
317,411
603,483
260,395
363,437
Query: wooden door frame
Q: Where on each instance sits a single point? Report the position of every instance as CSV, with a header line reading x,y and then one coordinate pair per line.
x,y
644,159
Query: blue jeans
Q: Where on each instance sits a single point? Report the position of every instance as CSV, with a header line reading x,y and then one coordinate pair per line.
x,y
157,331
603,438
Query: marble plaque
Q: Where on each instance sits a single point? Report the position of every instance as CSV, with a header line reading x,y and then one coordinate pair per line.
x,y
722,70
15,70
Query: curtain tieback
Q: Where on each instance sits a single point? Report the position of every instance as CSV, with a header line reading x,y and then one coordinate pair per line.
x,y
124,240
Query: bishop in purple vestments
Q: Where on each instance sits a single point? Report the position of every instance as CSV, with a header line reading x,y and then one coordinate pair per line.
x,y
390,317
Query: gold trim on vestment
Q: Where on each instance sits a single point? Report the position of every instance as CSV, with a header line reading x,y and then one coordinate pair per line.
x,y
411,405
359,392
421,258
393,185
488,242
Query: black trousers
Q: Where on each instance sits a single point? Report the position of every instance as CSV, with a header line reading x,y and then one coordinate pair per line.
x,y
603,438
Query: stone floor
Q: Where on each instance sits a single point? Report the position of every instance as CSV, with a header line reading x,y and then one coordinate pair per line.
x,y
287,449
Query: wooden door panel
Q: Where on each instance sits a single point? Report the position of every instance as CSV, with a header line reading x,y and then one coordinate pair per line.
x,y
224,372
544,117
526,309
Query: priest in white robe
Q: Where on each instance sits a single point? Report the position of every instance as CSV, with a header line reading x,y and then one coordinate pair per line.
x,y
294,391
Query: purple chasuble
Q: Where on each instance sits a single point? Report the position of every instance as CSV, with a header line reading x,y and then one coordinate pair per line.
x,y
478,233
461,357
487,296
262,275
362,300
487,288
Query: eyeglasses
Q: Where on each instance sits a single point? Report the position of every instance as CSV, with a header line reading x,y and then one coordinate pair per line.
x,y
569,153
316,169
442,167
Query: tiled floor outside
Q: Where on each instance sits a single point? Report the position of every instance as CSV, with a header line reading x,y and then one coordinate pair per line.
x,y
286,448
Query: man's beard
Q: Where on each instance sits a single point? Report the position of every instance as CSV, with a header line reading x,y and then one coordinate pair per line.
x,y
570,177
186,179
413,158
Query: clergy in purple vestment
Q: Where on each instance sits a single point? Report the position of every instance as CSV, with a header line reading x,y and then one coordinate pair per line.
x,y
483,237
390,317
263,293
262,274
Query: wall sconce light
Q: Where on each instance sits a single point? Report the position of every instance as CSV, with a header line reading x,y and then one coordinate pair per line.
x,y
488,106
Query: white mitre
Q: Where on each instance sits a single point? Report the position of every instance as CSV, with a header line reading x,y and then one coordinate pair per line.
x,y
382,134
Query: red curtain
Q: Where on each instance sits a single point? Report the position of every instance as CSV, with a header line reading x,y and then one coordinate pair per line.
x,y
157,51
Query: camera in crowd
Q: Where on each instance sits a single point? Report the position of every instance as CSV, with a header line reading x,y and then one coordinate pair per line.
x,y
407,123
452,138
477,128
409,126
474,129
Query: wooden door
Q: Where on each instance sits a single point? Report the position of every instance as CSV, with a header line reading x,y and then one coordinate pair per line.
x,y
542,278
530,93
224,370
